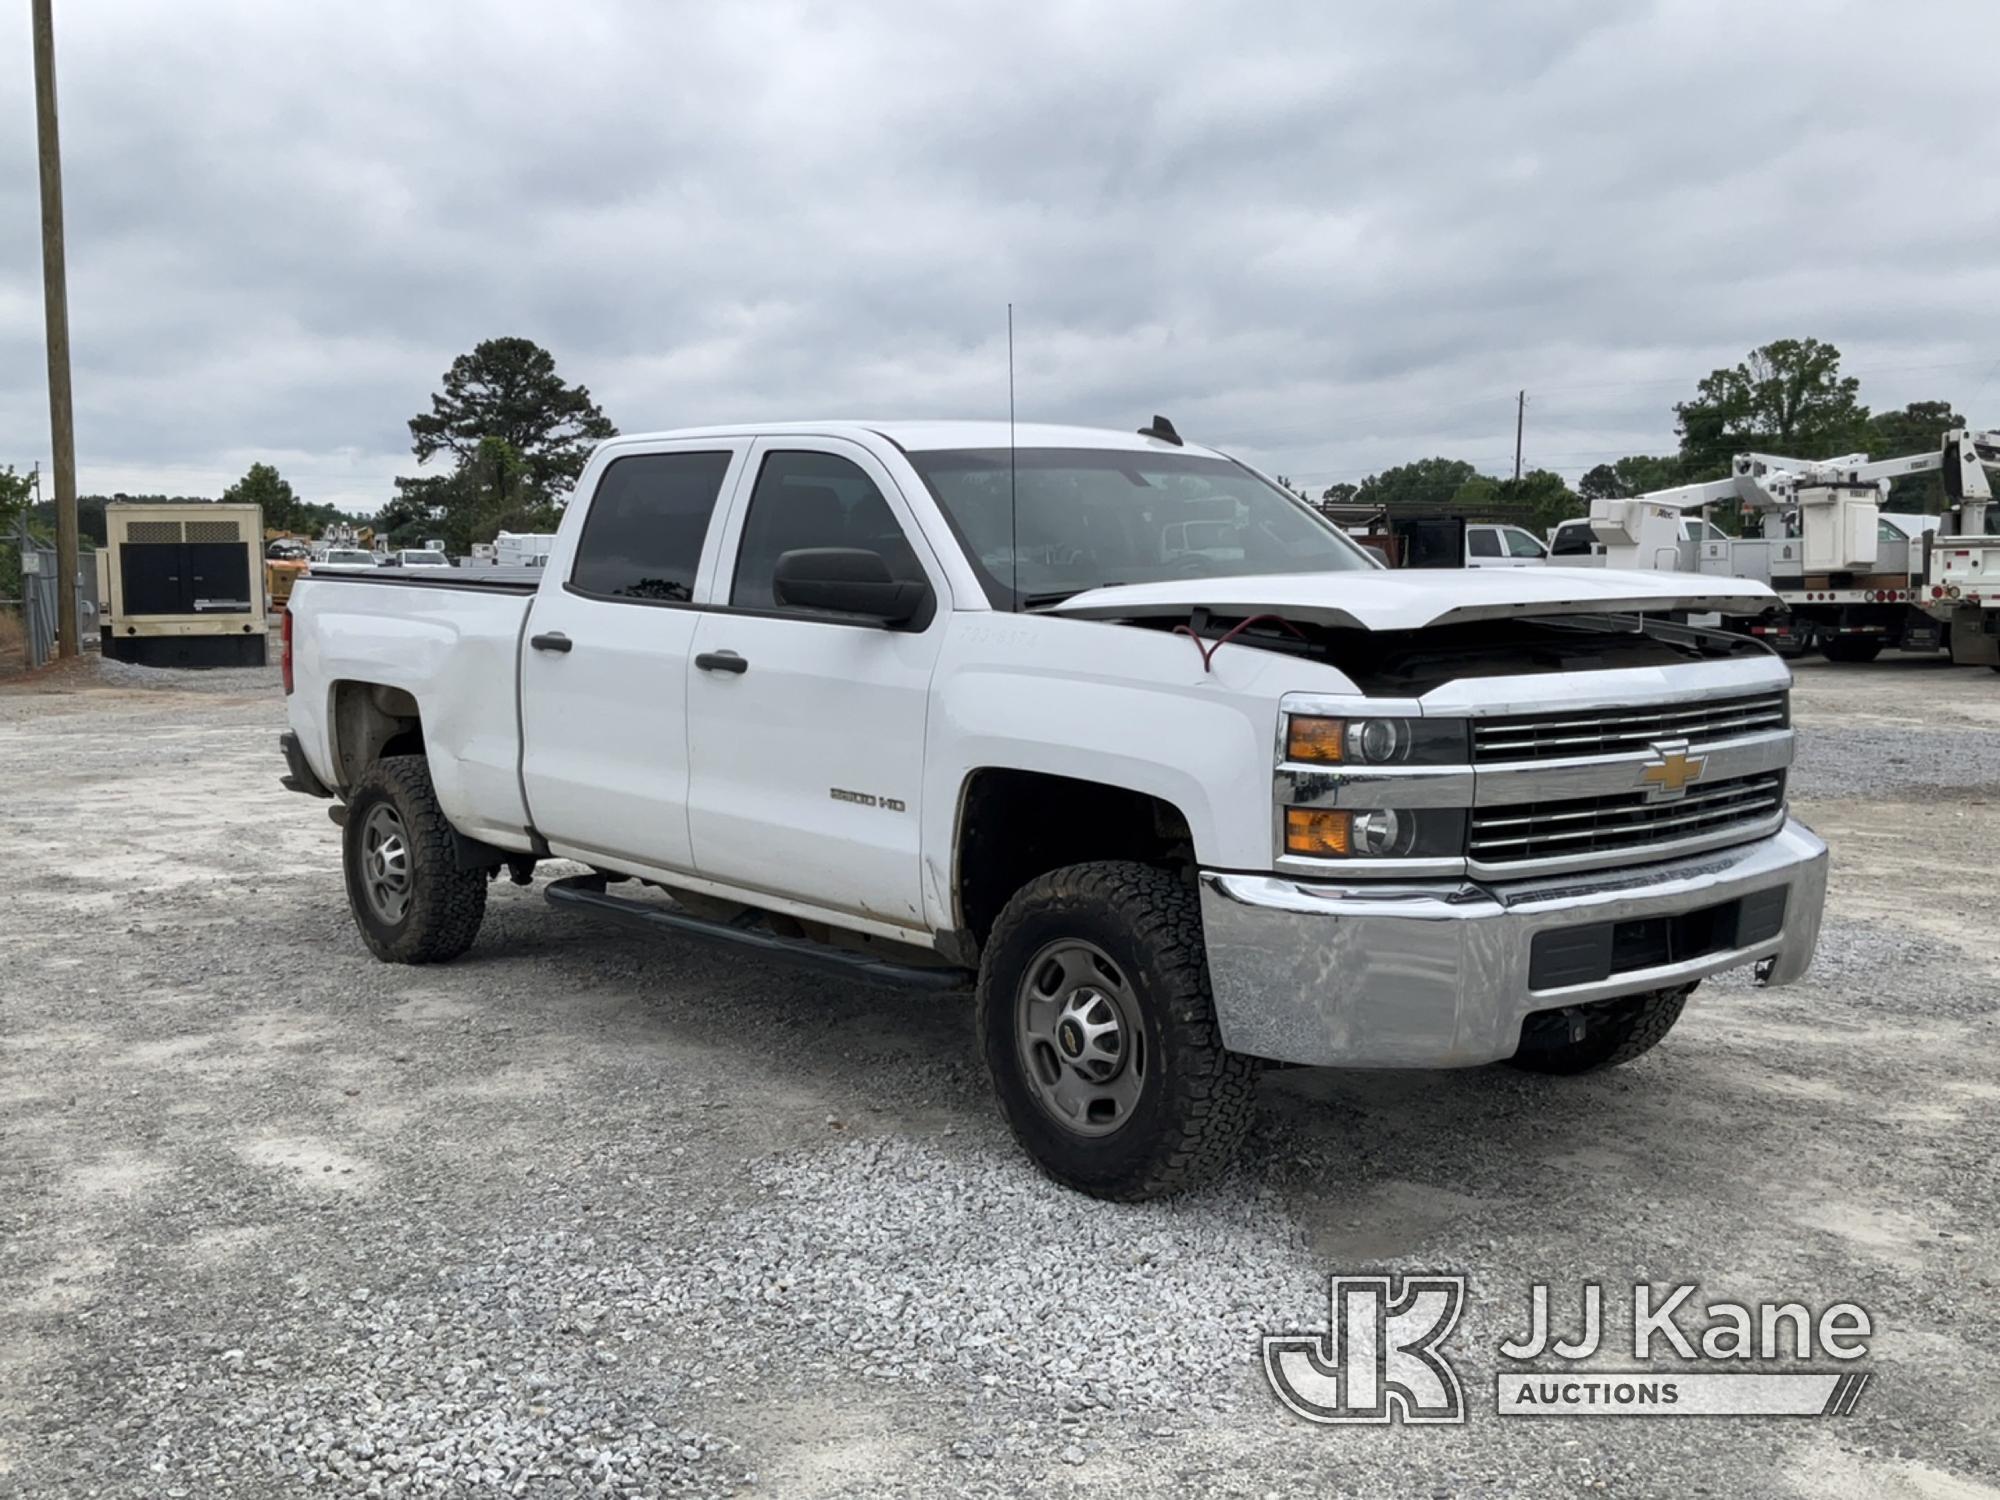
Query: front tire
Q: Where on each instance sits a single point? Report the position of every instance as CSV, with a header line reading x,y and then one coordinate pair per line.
x,y
411,901
1614,1032
1100,1036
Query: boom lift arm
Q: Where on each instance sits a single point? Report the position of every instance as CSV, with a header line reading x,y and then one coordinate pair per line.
x,y
1773,484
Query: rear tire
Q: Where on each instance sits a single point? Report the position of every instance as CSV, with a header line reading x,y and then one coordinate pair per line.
x,y
1851,648
1615,1032
1099,1033
411,901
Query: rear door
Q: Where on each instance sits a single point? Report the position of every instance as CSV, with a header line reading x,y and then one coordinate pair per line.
x,y
604,661
806,731
1483,549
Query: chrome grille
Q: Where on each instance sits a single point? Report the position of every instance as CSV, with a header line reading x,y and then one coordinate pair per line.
x,y
1520,832
1614,730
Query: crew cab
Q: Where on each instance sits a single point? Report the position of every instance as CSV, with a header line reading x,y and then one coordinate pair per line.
x,y
1492,546
1107,728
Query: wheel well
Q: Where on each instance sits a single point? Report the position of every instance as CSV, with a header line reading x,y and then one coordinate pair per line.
x,y
1015,825
370,721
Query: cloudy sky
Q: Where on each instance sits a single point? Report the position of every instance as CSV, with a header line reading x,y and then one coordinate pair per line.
x,y
1330,236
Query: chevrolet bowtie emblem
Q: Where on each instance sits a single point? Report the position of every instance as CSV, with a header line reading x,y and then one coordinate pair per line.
x,y
1672,771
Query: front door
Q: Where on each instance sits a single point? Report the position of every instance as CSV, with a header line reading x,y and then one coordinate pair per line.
x,y
604,660
1524,548
806,731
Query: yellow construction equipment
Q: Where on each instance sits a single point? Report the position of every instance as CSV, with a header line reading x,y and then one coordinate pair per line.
x,y
280,573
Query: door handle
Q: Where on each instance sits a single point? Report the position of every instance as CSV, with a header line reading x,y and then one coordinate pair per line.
x,y
554,640
721,661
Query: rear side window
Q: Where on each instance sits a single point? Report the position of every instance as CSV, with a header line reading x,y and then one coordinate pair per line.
x,y
642,538
1482,543
1572,539
814,500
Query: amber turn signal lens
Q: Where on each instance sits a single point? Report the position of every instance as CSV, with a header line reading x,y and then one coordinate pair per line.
x,y
1315,739
1315,831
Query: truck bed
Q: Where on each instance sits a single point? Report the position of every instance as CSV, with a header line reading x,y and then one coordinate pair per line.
x,y
454,643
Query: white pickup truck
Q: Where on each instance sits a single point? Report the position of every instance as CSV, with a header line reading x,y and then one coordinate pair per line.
x,y
1106,727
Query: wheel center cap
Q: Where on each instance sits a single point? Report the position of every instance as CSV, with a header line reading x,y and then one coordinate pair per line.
x,y
1070,1036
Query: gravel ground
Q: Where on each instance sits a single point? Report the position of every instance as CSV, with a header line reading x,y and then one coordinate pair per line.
x,y
587,1213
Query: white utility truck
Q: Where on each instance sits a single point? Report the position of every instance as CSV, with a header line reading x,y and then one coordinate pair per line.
x,y
522,549
1962,581
1850,577
1109,728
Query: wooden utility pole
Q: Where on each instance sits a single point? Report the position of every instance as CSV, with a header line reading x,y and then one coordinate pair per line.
x,y
1520,417
55,305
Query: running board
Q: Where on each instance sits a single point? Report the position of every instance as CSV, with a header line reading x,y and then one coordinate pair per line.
x,y
587,893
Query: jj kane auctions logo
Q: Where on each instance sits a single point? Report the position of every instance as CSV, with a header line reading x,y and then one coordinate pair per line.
x,y
1382,1359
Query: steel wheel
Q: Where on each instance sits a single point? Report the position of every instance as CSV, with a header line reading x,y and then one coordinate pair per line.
x,y
385,863
1076,1022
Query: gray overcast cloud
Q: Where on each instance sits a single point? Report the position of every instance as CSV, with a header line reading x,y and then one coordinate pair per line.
x,y
1331,237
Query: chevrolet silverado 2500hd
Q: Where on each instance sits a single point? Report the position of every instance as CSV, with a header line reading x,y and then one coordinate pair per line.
x,y
1107,727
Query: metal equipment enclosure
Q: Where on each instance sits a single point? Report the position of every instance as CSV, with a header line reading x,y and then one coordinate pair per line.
x,y
184,585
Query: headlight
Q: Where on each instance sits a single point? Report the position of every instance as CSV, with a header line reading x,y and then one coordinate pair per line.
x,y
1380,830
1379,742
1375,832
1376,742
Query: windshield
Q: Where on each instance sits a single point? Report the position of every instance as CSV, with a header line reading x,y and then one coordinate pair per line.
x,y
350,557
1087,517
425,559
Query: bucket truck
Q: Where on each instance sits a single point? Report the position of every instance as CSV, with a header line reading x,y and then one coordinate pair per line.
x,y
1848,579
1962,574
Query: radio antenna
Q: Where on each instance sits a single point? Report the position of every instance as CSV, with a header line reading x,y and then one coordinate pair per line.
x,y
1013,502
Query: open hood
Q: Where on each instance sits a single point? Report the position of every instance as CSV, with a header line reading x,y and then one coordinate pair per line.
x,y
1412,598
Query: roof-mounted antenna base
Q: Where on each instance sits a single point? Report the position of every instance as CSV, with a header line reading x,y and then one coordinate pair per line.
x,y
1163,430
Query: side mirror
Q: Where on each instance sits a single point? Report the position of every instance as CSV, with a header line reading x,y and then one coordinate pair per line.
x,y
847,581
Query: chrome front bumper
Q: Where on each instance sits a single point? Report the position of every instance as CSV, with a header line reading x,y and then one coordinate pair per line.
x,y
1436,974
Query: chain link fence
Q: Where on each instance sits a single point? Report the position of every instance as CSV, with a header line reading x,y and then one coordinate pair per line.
x,y
36,603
